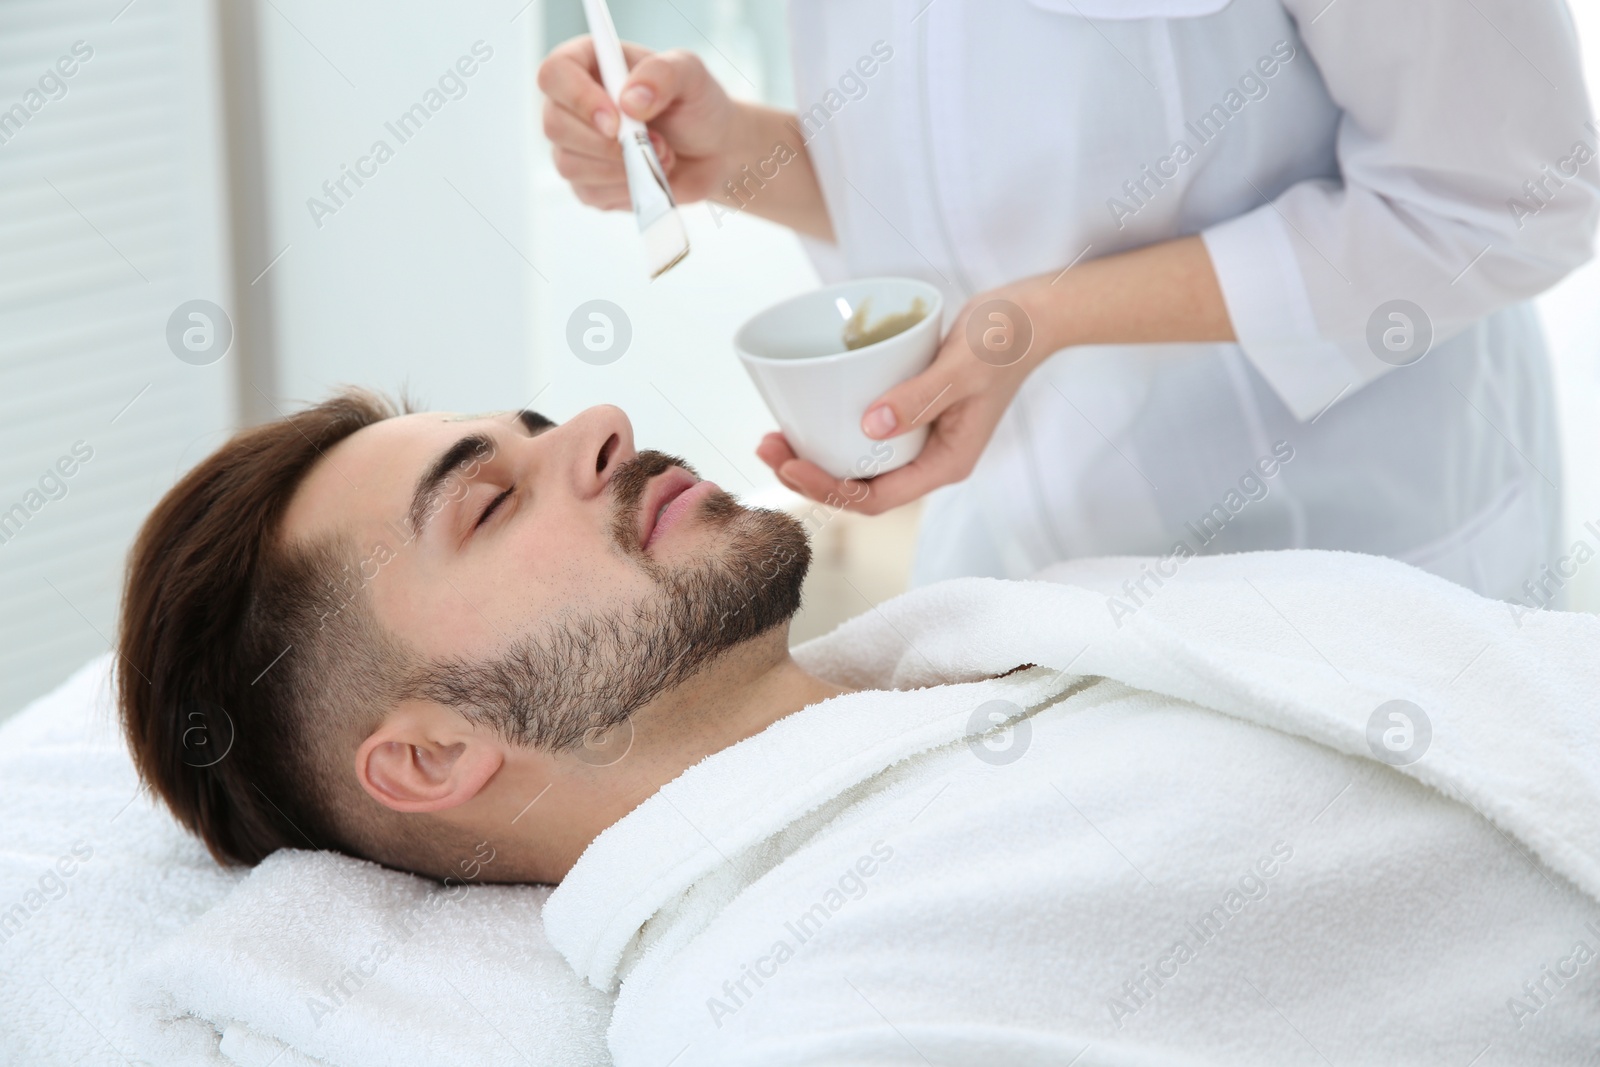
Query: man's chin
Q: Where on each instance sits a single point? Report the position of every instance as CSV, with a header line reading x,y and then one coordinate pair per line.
x,y
744,571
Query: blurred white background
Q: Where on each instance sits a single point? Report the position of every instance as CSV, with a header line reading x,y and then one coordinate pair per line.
x,y
180,162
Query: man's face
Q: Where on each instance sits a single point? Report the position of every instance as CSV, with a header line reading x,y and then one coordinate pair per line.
x,y
549,579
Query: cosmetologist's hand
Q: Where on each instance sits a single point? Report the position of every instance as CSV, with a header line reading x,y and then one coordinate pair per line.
x,y
1163,293
961,397
692,121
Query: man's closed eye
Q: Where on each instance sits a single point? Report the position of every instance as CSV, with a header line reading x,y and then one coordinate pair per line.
x,y
493,504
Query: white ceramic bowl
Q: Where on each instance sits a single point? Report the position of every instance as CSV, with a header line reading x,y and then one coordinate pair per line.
x,y
818,389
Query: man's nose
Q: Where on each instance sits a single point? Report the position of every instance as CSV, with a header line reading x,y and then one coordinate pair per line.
x,y
601,439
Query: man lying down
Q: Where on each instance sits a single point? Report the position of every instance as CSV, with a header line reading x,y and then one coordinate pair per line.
x,y
1296,808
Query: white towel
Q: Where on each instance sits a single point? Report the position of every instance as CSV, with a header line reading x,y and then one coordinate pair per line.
x,y
1014,911
320,959
92,877
122,942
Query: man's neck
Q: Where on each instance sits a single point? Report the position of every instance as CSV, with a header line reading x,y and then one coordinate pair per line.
x,y
737,696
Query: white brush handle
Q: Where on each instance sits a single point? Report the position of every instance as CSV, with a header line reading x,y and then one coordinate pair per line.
x,y
613,65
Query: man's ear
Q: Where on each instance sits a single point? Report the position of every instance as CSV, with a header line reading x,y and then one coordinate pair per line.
x,y
425,757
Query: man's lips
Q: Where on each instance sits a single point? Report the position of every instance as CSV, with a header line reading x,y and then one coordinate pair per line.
x,y
662,490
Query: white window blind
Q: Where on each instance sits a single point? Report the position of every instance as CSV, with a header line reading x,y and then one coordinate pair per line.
x,y
112,214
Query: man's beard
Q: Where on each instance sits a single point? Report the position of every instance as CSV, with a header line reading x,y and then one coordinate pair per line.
x,y
588,672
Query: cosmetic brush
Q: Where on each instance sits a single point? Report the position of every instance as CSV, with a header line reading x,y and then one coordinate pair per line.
x,y
665,241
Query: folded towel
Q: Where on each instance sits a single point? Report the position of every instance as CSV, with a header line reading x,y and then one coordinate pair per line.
x,y
92,877
317,958
123,942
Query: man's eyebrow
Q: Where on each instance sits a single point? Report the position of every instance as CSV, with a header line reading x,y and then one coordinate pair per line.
x,y
453,460
425,498
534,422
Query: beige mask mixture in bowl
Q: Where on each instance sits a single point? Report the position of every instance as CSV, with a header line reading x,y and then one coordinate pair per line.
x,y
858,334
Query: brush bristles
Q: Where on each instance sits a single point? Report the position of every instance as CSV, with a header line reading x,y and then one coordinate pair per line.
x,y
665,243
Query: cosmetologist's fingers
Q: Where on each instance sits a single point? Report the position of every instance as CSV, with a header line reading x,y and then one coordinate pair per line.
x,y
914,402
570,78
660,79
564,129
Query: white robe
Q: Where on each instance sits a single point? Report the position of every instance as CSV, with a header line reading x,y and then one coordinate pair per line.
x,y
1335,157
1179,849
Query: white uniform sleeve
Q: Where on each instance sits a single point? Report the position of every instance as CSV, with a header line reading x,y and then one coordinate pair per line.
x,y
1466,150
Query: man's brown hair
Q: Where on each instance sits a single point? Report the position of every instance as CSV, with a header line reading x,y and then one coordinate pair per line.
x,y
232,680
